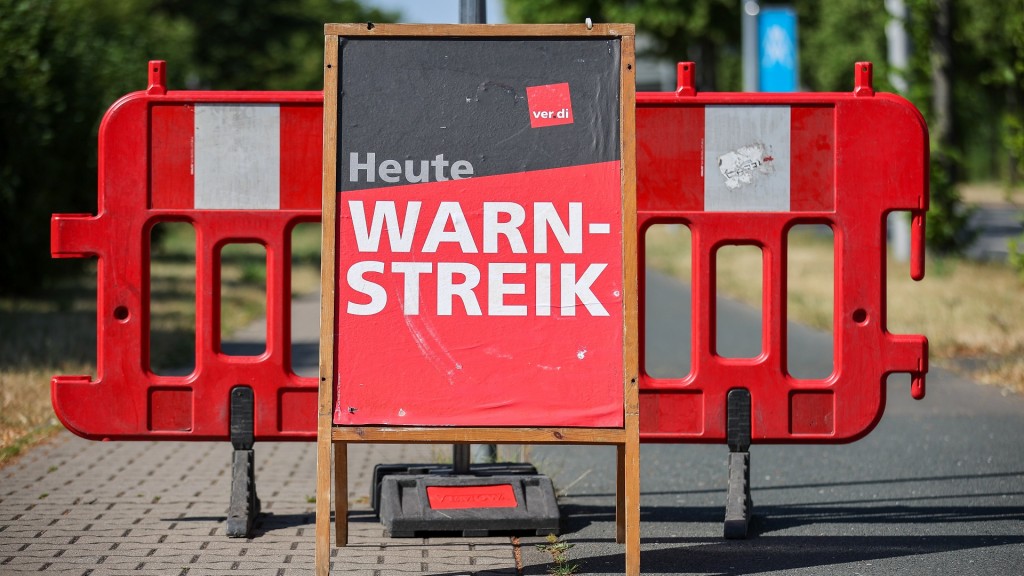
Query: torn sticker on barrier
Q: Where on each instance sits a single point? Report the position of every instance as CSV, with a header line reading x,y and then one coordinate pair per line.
x,y
740,166
752,148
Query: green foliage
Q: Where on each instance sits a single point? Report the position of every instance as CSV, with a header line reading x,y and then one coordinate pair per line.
x,y
1013,138
703,31
269,45
976,131
64,62
994,34
837,34
1016,255
946,231
61,64
554,11
990,38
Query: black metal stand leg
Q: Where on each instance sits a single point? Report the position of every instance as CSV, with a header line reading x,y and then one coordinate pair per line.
x,y
460,459
738,504
245,506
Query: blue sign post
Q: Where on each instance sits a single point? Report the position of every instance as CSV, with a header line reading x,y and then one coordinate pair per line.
x,y
777,44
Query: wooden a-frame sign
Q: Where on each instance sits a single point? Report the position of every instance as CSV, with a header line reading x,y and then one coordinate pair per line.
x,y
479,276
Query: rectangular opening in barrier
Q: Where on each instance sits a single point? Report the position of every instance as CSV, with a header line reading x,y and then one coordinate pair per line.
x,y
904,314
243,299
668,301
739,315
305,298
172,299
810,301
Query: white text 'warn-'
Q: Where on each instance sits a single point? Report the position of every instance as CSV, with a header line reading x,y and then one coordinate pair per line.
x,y
428,282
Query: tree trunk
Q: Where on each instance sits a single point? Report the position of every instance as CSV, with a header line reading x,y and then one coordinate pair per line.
x,y
942,128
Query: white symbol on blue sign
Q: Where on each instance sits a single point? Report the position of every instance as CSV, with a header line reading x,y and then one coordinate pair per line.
x,y
778,46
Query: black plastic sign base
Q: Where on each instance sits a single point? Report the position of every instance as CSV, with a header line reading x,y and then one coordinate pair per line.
x,y
475,506
495,469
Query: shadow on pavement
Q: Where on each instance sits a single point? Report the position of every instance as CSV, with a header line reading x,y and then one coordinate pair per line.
x,y
765,555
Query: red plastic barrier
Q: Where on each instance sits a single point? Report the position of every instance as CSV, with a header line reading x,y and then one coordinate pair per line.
x,y
742,169
238,166
849,159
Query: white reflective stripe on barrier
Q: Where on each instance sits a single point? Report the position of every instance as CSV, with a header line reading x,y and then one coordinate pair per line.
x,y
747,155
237,163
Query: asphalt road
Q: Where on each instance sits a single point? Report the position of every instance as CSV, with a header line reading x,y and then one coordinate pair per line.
x,y
936,488
994,225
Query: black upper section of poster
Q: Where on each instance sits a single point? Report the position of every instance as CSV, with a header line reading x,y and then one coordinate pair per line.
x,y
412,100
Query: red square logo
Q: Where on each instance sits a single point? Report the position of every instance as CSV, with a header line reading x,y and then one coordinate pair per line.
x,y
549,105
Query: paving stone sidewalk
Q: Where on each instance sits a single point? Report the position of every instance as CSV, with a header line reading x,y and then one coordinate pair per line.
x,y
74,506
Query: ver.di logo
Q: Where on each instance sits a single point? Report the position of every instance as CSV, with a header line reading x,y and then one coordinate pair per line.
x,y
549,105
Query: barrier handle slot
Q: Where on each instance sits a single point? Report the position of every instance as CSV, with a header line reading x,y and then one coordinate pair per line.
x,y
917,239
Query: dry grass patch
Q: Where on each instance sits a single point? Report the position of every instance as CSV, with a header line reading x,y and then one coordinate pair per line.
x,y
965,308
56,333
991,193
39,340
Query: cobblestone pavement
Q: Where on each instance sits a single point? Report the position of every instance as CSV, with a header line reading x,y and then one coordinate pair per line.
x,y
74,506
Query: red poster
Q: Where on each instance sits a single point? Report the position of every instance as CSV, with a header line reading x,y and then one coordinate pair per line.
x,y
479,235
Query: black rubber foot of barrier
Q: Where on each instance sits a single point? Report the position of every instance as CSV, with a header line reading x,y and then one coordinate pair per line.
x,y
738,504
473,506
245,506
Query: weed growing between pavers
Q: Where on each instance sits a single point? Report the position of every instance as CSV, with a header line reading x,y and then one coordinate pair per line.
x,y
559,551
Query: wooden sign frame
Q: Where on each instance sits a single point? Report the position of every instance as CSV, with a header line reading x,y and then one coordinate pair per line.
x,y
329,434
